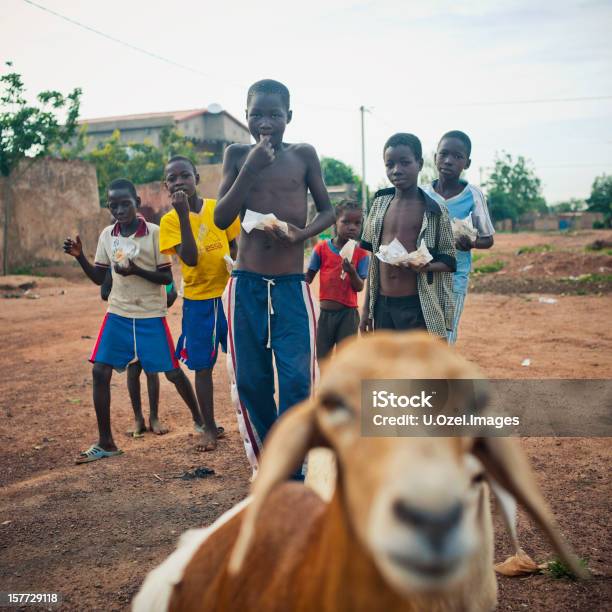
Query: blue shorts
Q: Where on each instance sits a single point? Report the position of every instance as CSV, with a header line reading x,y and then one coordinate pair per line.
x,y
204,327
122,340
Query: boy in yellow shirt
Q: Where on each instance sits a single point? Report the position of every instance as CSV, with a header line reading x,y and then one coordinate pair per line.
x,y
189,231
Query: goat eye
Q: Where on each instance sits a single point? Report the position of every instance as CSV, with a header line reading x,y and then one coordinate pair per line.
x,y
335,409
478,478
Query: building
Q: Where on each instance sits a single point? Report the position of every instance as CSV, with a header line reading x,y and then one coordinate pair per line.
x,y
211,132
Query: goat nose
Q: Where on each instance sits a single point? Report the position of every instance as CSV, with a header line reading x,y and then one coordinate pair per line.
x,y
435,525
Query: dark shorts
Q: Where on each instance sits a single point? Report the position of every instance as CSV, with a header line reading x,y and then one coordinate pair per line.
x,y
398,313
334,326
204,327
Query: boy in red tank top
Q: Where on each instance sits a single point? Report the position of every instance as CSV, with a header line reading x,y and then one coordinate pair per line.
x,y
343,266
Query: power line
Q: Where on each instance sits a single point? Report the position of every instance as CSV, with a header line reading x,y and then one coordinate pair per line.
x,y
172,62
516,102
599,165
156,56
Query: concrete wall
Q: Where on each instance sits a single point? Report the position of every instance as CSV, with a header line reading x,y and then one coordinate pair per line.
x,y
553,222
49,199
544,224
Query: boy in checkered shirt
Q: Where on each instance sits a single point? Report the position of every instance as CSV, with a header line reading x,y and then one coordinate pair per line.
x,y
408,296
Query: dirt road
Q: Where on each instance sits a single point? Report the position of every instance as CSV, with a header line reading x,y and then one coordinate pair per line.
x,y
92,532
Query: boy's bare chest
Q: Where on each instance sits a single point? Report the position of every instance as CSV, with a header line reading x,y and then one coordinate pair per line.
x,y
287,173
403,223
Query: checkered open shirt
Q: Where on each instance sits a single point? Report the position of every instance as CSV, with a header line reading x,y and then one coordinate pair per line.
x,y
435,288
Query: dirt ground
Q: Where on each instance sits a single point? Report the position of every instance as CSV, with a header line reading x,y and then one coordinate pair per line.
x,y
92,532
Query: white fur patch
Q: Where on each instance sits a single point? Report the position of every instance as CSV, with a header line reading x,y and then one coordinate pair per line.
x,y
508,507
321,474
156,590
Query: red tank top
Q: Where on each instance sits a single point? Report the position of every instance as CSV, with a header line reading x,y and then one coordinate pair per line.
x,y
331,286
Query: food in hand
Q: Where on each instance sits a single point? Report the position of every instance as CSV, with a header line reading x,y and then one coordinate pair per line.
x,y
464,227
255,220
395,254
123,250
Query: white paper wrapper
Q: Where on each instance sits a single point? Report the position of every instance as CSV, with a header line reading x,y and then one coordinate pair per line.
x,y
395,254
123,250
254,220
229,263
464,227
346,252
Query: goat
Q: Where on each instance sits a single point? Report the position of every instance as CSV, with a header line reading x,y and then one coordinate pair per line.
x,y
408,527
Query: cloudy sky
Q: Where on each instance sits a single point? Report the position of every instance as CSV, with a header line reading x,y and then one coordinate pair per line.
x,y
529,77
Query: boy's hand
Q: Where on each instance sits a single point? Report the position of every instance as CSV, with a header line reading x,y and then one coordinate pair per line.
x,y
180,201
463,243
294,234
347,266
416,267
131,268
366,325
73,247
260,156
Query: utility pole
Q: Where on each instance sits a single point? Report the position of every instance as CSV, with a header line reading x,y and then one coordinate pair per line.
x,y
364,189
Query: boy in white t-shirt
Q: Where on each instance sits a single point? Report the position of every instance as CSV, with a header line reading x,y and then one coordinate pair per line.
x,y
135,326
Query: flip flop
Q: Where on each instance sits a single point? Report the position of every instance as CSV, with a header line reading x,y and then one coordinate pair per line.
x,y
134,434
95,452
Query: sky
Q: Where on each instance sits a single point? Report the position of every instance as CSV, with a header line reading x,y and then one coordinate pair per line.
x,y
506,72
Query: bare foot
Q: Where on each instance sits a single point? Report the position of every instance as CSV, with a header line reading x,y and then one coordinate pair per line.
x,y
139,430
208,441
201,429
157,428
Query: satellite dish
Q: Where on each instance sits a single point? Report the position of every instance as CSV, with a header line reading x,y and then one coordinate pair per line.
x,y
214,108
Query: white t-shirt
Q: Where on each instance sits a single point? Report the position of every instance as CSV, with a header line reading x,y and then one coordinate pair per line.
x,y
133,296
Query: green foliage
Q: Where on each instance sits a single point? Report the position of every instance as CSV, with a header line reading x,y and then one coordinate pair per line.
x,y
558,570
476,257
571,205
538,248
429,172
514,189
491,268
589,278
601,198
32,131
138,162
336,172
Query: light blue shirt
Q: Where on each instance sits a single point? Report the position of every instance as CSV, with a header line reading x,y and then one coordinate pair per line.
x,y
470,200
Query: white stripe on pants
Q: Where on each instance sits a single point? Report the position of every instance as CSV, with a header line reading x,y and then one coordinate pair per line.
x,y
459,302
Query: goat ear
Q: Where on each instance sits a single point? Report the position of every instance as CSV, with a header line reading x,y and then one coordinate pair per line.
x,y
506,463
284,450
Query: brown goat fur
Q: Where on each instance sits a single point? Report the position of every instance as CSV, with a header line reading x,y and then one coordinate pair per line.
x,y
289,550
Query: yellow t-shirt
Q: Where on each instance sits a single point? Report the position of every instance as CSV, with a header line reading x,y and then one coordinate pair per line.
x,y
208,278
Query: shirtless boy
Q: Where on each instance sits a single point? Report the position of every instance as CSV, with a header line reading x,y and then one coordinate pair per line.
x,y
410,296
269,306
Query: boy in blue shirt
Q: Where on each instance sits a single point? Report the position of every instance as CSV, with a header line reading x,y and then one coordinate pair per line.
x,y
452,158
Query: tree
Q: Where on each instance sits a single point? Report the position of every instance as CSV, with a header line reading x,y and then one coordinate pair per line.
x,y
429,172
514,189
571,205
336,172
141,162
601,198
30,131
